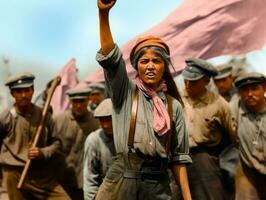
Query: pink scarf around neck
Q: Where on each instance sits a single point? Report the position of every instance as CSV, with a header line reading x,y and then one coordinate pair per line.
x,y
161,119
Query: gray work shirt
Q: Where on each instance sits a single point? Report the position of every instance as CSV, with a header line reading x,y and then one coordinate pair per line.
x,y
208,118
17,133
120,89
73,133
99,150
251,131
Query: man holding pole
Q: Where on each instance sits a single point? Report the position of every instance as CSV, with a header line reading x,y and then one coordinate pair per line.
x,y
18,127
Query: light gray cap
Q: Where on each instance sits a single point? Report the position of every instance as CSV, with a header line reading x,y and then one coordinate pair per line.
x,y
78,92
250,78
20,80
198,68
96,87
104,109
224,71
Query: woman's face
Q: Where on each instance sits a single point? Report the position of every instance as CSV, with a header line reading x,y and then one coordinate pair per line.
x,y
151,68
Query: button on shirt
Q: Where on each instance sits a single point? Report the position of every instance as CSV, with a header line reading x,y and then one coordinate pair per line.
x,y
149,143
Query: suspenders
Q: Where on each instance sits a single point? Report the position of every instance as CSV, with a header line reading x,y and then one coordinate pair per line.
x,y
133,119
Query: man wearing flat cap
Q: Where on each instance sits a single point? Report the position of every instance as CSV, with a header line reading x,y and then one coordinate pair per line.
x,y
99,150
97,95
17,128
224,82
208,119
73,126
249,114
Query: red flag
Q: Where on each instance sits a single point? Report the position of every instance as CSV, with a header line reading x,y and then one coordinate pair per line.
x,y
68,76
206,29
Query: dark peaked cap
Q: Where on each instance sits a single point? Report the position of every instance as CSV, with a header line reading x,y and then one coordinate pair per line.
x,y
224,71
20,80
78,92
197,68
250,78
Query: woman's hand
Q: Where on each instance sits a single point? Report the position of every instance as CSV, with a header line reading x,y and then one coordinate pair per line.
x,y
105,5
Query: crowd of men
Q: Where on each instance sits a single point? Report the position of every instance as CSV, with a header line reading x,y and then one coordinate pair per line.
x,y
227,138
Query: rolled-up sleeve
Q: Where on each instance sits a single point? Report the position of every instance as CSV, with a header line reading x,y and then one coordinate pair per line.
x,y
116,78
179,142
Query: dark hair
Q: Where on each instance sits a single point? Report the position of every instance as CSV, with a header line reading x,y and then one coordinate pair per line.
x,y
167,76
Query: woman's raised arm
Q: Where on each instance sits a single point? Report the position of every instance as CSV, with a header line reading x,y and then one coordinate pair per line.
x,y
106,38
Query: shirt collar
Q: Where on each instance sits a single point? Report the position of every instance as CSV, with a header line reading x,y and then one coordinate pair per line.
x,y
244,111
84,118
15,112
205,98
160,94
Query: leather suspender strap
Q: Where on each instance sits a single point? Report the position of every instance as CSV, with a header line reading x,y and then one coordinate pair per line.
x,y
132,126
170,113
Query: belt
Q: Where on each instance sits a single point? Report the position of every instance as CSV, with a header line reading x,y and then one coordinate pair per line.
x,y
151,175
150,158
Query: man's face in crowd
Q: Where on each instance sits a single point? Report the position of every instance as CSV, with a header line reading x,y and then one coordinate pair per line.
x,y
22,96
224,85
196,88
79,107
96,98
252,95
106,124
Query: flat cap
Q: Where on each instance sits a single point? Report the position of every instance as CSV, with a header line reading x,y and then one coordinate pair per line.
x,y
20,80
250,78
224,71
197,68
78,92
104,109
96,87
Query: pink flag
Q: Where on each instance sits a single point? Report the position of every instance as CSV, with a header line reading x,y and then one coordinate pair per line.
x,y
68,76
206,29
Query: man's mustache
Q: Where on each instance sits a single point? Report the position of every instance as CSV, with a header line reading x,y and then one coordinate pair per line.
x,y
252,98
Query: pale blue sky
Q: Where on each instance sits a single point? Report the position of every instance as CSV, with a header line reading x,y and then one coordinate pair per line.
x,y
53,31
42,35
